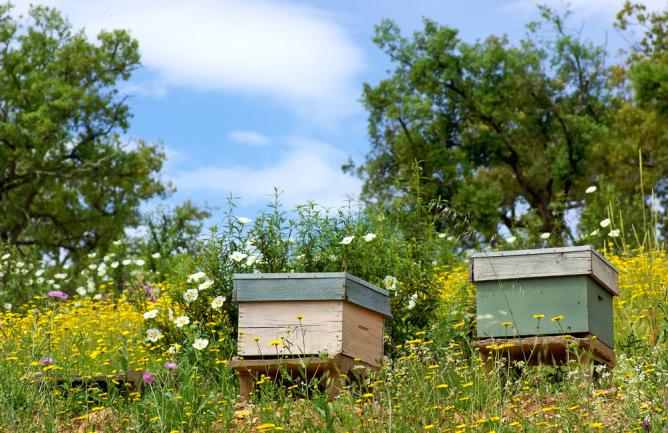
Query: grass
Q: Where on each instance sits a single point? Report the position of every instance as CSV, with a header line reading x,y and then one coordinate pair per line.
x,y
433,382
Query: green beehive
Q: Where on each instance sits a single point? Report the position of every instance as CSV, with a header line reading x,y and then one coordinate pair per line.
x,y
516,288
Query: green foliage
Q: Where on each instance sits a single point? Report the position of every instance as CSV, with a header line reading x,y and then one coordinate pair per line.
x,y
495,127
69,182
394,246
512,135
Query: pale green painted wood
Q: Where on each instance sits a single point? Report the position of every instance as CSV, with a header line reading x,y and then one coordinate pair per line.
x,y
599,305
517,300
331,286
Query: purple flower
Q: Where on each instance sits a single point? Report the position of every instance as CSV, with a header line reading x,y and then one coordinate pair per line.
x,y
46,361
645,424
171,365
148,378
57,294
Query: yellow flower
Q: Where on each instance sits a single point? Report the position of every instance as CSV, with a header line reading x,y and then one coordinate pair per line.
x,y
557,318
275,342
467,385
507,323
442,386
299,316
538,316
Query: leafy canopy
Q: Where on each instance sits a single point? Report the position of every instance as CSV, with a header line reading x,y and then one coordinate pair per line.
x,y
68,181
502,132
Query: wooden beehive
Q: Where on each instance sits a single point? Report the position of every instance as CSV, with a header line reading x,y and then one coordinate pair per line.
x,y
312,314
574,282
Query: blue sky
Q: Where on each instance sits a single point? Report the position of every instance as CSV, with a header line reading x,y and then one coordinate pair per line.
x,y
248,95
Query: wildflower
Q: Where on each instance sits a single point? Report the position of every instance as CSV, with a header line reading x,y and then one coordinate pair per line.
x,y
605,223
205,285
442,386
139,262
173,349
218,302
511,239
467,385
5,256
151,314
347,240
250,261
7,306
645,424
81,291
155,255
243,220
557,318
594,233
442,235
590,189
238,256
545,235
114,265
171,365
148,378
412,301
153,335
191,295
275,342
299,316
538,316
507,323
390,282
47,360
60,276
57,294
196,277
369,237
126,262
181,321
200,343
614,233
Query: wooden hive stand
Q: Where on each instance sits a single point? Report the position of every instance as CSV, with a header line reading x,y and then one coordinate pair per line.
x,y
333,372
554,350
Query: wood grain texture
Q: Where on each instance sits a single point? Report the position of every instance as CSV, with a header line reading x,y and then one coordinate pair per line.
x,y
542,263
548,349
363,334
320,329
310,287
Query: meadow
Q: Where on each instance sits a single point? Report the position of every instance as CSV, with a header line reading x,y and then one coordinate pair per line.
x,y
66,354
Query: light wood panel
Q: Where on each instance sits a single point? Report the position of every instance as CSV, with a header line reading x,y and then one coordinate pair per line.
x,y
319,331
362,334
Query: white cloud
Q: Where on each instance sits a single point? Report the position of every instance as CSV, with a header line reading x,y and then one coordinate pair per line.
x,y
250,138
306,170
295,54
605,9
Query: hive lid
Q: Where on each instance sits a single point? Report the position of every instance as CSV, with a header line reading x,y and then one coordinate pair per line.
x,y
313,286
544,262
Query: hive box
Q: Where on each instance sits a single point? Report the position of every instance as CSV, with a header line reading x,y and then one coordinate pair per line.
x,y
340,314
512,286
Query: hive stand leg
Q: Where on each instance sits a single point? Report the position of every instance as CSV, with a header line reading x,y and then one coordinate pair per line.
x,y
487,361
246,385
338,375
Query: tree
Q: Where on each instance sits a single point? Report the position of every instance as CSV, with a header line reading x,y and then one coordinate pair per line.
x,y
504,133
174,231
68,181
